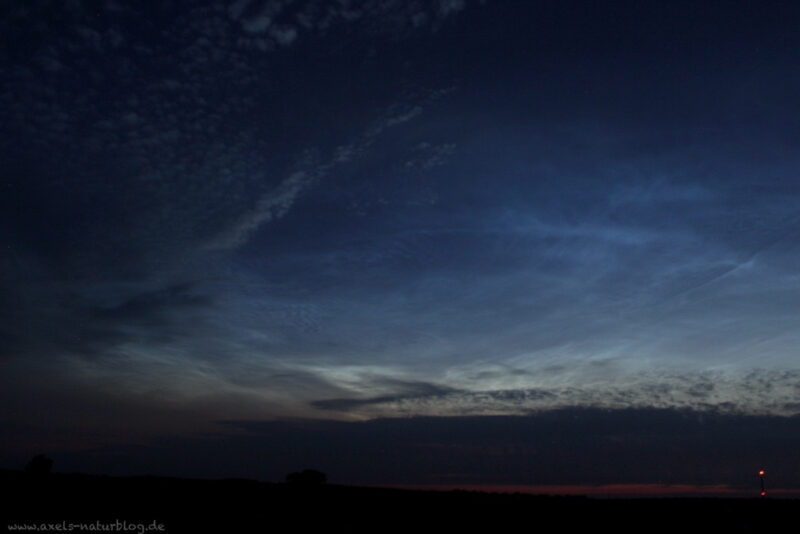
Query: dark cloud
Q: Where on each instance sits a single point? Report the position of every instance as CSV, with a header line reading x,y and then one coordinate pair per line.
x,y
407,390
88,326
151,306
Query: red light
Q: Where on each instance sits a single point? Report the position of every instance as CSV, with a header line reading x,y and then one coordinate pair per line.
x,y
763,493
761,473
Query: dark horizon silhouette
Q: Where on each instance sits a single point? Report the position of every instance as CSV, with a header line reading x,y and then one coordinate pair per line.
x,y
560,448
183,505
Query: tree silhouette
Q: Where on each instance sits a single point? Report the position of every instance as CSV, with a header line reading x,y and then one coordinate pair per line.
x,y
39,465
306,477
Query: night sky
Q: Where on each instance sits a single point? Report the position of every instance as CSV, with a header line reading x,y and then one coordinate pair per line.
x,y
402,241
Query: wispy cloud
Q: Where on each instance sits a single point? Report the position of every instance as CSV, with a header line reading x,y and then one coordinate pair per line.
x,y
754,392
657,192
279,22
404,390
271,206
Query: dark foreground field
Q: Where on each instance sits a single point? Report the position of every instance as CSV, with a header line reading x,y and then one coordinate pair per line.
x,y
77,503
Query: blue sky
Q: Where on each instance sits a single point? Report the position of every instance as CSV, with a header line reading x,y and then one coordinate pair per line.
x,y
262,210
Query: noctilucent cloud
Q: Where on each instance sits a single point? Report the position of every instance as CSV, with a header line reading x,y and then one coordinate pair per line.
x,y
259,210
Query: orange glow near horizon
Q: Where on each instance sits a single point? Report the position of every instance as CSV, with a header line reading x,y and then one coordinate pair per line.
x,y
609,490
